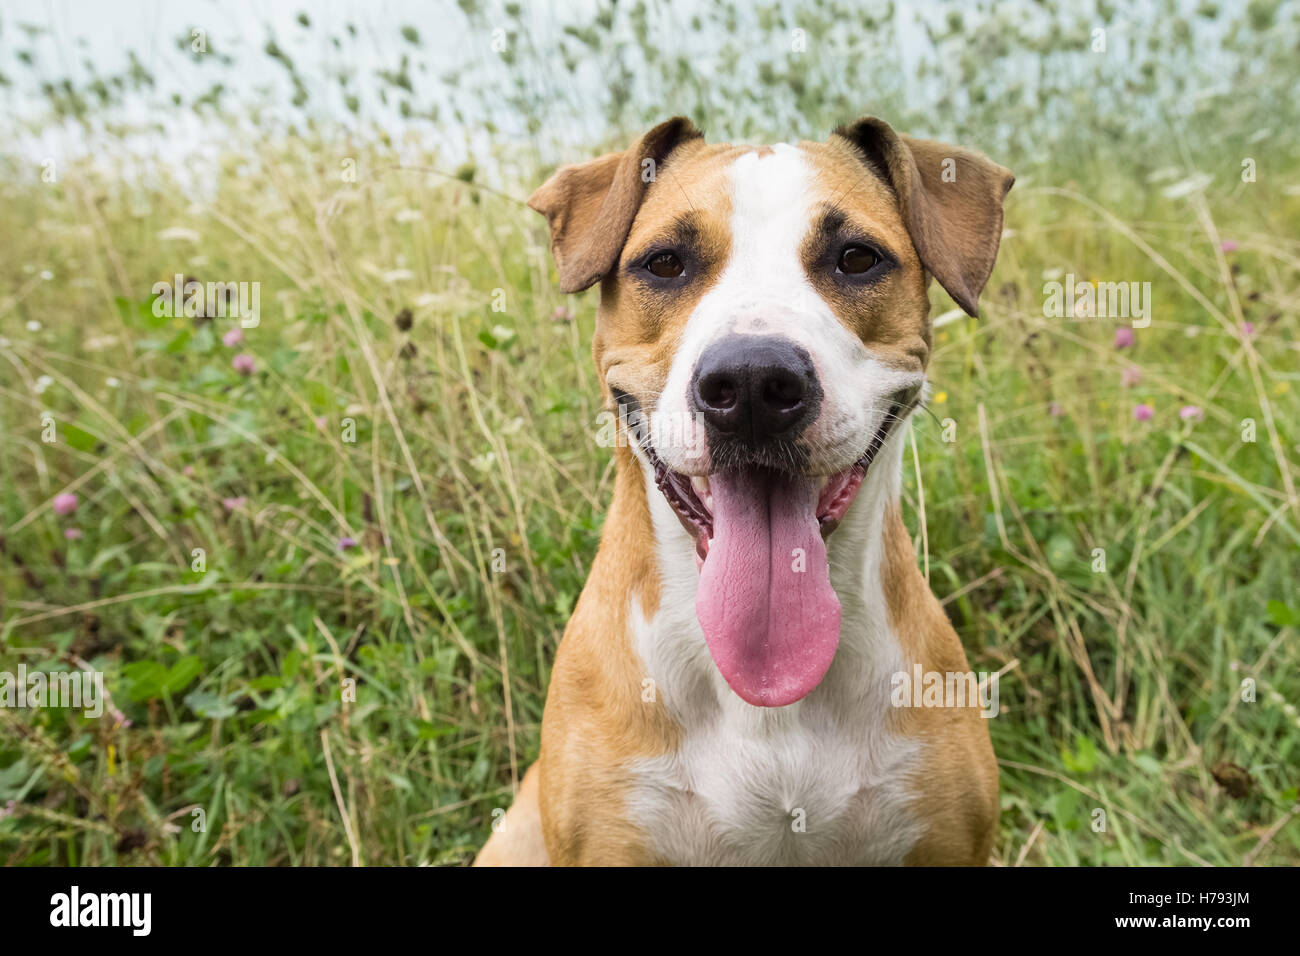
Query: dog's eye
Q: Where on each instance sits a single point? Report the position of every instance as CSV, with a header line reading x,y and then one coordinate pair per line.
x,y
665,265
855,260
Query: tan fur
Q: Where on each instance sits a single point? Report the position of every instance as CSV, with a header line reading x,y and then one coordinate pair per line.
x,y
958,787
571,808
951,199
594,721
518,841
892,321
637,336
591,207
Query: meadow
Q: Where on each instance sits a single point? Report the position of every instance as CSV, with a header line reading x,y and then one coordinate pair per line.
x,y
324,562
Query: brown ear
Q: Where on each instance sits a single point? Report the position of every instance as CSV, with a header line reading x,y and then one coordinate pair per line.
x,y
951,200
590,206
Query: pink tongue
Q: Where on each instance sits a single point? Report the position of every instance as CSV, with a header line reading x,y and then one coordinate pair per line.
x,y
765,602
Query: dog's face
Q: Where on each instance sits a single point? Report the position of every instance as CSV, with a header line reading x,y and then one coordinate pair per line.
x,y
764,313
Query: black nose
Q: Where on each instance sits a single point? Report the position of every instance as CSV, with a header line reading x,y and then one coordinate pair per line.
x,y
754,388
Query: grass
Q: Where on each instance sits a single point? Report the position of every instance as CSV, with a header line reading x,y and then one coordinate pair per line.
x,y
394,522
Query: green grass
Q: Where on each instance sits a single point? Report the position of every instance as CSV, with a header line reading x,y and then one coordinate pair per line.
x,y
475,444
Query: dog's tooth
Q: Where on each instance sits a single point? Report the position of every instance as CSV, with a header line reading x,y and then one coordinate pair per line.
x,y
701,485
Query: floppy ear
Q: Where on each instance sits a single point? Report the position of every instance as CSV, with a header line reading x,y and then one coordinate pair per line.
x,y
951,200
590,206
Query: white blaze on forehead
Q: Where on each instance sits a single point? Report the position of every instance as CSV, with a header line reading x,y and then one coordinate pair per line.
x,y
771,213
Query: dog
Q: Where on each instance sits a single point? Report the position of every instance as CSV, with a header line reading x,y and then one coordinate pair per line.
x,y
722,693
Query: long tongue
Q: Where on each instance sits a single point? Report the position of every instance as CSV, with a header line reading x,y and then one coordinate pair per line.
x,y
765,602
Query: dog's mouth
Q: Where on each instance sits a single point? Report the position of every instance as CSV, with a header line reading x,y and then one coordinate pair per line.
x,y
691,496
765,603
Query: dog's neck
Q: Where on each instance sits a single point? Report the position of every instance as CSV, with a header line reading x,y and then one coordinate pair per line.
x,y
667,635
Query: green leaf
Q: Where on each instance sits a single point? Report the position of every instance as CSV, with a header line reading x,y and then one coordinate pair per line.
x,y
318,395
1065,809
428,731
1084,757
79,439
1281,615
1148,764
180,342
292,662
182,674
209,705
144,679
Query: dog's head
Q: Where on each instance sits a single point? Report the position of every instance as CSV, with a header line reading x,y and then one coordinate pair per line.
x,y
764,314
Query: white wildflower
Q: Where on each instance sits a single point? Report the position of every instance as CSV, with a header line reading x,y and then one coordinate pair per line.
x,y
178,233
1185,187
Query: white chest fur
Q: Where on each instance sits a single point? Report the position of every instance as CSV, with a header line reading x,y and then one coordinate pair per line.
x,y
818,782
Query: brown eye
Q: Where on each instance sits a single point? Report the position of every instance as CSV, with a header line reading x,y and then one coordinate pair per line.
x,y
665,265
855,260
